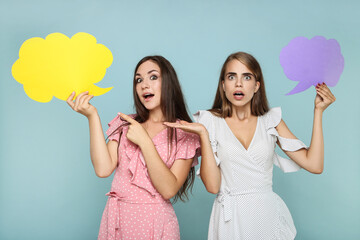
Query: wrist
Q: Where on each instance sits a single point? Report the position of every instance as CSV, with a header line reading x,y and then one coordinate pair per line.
x,y
204,132
92,115
318,110
145,143
318,114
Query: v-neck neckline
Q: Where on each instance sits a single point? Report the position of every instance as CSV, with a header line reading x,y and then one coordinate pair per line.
x,y
251,142
157,134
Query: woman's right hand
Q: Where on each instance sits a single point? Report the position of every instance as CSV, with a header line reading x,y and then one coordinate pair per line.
x,y
196,128
81,104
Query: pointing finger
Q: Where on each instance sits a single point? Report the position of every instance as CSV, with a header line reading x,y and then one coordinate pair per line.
x,y
127,118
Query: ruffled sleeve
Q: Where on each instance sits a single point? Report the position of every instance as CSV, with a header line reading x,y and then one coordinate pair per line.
x,y
188,146
115,128
206,118
272,119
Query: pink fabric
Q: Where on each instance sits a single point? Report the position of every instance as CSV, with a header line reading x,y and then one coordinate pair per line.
x,y
135,209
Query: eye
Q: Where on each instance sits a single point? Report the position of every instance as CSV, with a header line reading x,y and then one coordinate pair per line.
x,y
247,77
153,77
138,80
231,77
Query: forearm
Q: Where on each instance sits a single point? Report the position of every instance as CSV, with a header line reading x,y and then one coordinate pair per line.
x,y
209,171
100,157
162,178
315,153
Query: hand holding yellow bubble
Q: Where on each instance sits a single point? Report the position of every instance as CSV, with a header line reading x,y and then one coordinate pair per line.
x,y
81,104
57,66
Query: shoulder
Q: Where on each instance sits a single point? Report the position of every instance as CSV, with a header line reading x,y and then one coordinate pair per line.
x,y
202,116
273,117
117,121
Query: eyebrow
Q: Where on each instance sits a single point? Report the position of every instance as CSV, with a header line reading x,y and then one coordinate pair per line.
x,y
230,73
138,74
244,74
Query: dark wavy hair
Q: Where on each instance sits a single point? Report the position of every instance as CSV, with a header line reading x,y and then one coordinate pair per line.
x,y
173,107
259,102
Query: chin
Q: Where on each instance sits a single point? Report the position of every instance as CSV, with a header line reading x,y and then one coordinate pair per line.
x,y
240,103
151,106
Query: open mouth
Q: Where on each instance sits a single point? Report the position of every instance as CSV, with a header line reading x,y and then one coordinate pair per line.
x,y
239,95
148,96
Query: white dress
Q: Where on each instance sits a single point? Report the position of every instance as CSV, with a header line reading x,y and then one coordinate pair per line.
x,y
246,207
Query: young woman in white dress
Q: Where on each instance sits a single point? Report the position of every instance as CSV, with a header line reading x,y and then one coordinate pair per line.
x,y
238,139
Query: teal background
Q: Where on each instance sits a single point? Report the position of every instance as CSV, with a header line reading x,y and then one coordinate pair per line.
x,y
48,189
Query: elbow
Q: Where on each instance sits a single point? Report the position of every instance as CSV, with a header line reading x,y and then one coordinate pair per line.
x,y
317,171
168,195
212,190
102,174
211,187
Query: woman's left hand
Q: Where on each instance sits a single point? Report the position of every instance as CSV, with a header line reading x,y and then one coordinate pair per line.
x,y
196,128
324,97
136,132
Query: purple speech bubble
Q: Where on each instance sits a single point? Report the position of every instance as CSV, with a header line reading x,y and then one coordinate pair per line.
x,y
313,61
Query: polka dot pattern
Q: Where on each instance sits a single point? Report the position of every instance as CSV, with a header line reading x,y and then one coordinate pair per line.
x,y
246,208
135,209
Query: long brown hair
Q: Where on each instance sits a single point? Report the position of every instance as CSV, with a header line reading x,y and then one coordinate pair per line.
x,y
259,103
173,107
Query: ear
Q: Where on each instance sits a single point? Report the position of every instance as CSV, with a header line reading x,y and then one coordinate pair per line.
x,y
257,86
223,84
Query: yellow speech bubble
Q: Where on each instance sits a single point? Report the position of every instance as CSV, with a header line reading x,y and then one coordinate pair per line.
x,y
57,66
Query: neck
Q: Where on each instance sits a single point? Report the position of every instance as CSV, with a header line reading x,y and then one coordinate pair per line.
x,y
156,115
241,113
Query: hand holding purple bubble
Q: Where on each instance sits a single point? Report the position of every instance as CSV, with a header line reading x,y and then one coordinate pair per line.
x,y
311,62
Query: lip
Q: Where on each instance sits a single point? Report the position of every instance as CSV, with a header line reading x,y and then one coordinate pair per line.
x,y
238,97
148,99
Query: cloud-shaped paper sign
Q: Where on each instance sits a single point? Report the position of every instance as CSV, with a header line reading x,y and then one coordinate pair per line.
x,y
57,66
313,61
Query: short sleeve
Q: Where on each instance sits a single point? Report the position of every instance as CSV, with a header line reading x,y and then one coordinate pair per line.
x,y
272,119
206,118
115,128
188,147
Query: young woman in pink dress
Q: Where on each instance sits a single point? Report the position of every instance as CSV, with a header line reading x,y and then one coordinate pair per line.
x,y
152,163
238,139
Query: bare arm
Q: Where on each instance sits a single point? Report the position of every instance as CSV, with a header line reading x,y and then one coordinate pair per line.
x,y
209,171
166,181
103,156
311,159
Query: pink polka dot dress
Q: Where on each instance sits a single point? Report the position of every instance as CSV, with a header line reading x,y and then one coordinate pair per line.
x,y
135,209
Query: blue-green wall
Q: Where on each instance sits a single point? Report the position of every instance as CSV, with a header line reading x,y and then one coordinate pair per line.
x,y
48,189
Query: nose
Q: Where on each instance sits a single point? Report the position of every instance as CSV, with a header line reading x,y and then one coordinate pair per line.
x,y
145,84
238,83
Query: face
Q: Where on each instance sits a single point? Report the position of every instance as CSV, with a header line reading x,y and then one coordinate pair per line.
x,y
148,85
240,84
